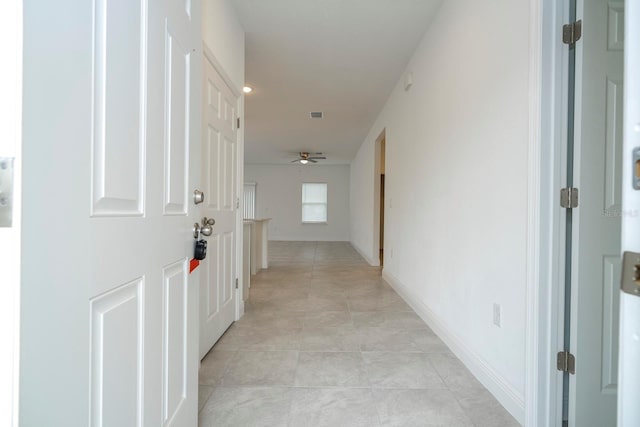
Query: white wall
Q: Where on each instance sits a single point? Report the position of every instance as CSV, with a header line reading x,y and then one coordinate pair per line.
x,y
456,187
279,194
224,36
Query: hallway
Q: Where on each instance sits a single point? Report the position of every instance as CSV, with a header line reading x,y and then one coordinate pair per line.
x,y
325,341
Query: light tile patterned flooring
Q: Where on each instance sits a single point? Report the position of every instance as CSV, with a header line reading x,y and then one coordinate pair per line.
x,y
326,342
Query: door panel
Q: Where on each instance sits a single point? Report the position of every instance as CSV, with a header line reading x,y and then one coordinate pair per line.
x,y
595,264
116,351
219,172
177,82
119,108
175,324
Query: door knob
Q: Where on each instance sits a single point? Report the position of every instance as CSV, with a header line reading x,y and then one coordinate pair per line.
x,y
207,226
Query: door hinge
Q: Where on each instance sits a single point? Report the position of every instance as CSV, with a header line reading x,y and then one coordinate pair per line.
x,y
566,362
237,202
569,198
238,122
571,33
236,283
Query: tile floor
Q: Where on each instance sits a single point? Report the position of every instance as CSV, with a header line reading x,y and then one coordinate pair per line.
x,y
326,342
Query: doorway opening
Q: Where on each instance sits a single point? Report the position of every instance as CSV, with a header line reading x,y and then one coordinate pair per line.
x,y
379,192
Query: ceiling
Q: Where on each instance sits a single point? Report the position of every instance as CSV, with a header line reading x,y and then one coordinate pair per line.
x,y
341,57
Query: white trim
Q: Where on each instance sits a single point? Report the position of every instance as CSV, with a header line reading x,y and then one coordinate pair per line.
x,y
548,94
11,82
377,161
507,395
629,371
532,328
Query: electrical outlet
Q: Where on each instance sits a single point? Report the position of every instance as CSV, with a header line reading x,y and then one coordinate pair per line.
x,y
497,315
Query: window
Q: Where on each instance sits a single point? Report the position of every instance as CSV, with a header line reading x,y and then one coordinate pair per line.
x,y
314,202
250,200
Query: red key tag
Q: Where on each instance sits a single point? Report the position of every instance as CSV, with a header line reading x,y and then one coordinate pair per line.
x,y
193,264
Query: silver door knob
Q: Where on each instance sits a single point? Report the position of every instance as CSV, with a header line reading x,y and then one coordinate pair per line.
x,y
198,197
207,226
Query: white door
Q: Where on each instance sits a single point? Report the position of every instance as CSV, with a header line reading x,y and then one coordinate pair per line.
x,y
219,160
596,256
629,368
112,122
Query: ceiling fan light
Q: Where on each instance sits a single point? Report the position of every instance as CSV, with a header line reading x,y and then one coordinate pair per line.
x,y
304,161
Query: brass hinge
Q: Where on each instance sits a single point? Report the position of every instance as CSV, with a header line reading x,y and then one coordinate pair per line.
x,y
236,283
566,362
569,198
238,122
571,33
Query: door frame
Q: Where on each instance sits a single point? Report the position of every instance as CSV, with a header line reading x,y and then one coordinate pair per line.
x,y
548,121
376,196
209,55
11,29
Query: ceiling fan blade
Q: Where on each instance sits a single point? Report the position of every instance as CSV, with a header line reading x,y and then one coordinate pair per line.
x,y
311,160
295,161
319,158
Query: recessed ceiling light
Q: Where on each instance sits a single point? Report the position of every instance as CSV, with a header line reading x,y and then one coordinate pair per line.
x,y
247,89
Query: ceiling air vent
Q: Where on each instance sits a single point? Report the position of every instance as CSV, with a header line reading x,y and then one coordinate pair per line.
x,y
316,114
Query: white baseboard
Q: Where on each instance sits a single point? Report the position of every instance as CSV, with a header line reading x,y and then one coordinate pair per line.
x,y
279,238
502,390
372,262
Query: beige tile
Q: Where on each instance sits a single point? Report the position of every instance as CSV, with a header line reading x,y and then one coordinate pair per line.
x,y
213,366
204,392
260,339
246,406
485,411
325,341
401,370
327,303
382,319
328,319
419,408
340,369
405,340
333,407
388,301
455,375
270,320
261,368
329,339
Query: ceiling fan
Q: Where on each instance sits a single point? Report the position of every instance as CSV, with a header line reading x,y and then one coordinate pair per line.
x,y
309,157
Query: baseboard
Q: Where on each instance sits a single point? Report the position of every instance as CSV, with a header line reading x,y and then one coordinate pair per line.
x,y
277,238
372,262
502,390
